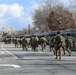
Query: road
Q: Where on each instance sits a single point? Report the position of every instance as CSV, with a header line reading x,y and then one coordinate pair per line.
x,y
15,61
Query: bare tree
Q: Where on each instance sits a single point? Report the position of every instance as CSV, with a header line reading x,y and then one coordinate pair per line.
x,y
40,19
73,9
20,32
51,16
60,18
41,13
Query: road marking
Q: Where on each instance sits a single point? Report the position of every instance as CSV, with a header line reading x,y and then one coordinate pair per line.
x,y
8,51
8,65
3,52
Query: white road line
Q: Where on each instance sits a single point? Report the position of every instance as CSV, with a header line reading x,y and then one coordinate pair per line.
x,y
3,52
8,65
8,51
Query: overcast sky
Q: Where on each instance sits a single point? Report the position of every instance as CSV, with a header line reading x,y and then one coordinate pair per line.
x,y
17,13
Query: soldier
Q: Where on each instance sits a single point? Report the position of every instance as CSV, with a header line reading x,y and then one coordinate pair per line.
x,y
16,43
20,42
6,40
28,42
51,44
24,44
34,42
69,43
43,43
9,40
13,40
58,45
31,42
63,43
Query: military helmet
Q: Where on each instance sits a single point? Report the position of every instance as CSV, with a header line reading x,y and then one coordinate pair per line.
x,y
68,34
58,32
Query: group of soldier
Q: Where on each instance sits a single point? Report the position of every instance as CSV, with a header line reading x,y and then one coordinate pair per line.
x,y
57,43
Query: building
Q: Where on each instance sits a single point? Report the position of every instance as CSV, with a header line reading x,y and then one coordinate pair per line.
x,y
8,30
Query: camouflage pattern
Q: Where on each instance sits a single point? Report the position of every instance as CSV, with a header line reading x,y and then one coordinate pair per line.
x,y
48,40
28,42
7,40
16,42
57,46
31,42
24,44
20,42
63,43
43,41
51,44
69,44
34,42
13,40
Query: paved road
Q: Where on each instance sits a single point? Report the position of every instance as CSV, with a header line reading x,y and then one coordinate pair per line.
x,y
15,61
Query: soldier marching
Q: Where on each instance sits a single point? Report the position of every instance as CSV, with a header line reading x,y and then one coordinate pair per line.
x,y
57,43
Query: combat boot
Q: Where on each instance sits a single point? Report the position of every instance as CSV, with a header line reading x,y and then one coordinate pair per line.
x,y
59,57
56,57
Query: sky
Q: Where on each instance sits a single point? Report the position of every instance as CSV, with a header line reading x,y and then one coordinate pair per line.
x,y
18,13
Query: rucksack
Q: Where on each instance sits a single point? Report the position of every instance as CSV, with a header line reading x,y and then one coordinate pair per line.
x,y
58,42
58,39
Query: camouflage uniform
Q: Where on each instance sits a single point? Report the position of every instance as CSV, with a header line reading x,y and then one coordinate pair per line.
x,y
69,44
16,43
34,43
20,42
28,42
24,44
31,42
9,40
43,43
58,45
63,44
52,43
13,40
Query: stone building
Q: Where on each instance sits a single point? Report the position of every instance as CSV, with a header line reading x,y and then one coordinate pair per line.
x,y
8,30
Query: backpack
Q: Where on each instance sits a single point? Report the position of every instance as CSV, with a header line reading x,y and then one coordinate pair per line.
x,y
58,39
58,42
